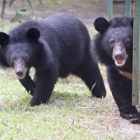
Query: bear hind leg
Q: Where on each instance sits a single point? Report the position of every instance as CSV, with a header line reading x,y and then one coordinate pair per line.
x,y
90,74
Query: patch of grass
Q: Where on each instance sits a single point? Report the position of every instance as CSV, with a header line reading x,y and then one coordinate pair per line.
x,y
6,25
70,115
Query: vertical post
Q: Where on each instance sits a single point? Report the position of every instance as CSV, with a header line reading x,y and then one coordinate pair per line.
x,y
128,7
136,54
110,8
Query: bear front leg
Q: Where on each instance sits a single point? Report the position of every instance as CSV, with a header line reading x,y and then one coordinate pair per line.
x,y
121,88
28,84
44,87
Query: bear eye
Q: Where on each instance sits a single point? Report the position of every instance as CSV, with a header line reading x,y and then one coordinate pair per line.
x,y
111,42
127,42
13,58
26,58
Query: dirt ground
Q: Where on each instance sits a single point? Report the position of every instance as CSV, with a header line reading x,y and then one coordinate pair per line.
x,y
87,11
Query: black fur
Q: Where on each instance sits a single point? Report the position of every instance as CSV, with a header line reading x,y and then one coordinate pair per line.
x,y
120,29
56,47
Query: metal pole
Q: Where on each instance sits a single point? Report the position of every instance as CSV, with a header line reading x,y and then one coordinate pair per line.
x,y
128,7
136,54
110,8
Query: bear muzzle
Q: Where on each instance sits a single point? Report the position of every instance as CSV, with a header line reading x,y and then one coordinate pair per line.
x,y
20,69
119,56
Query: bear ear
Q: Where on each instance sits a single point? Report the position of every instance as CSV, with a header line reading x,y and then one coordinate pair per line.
x,y
101,24
33,34
3,38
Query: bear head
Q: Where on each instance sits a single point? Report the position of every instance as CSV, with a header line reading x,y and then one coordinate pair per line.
x,y
116,39
19,50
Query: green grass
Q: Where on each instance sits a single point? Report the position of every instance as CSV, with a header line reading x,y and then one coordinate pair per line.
x,y
6,25
70,115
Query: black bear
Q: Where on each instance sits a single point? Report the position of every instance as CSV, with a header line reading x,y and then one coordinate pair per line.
x,y
113,45
56,46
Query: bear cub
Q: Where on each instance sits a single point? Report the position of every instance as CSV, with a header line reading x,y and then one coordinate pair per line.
x,y
113,45
56,46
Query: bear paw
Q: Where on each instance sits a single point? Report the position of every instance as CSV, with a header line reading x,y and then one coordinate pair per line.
x,y
35,102
133,118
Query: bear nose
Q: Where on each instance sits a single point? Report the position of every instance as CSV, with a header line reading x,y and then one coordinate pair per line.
x,y
19,73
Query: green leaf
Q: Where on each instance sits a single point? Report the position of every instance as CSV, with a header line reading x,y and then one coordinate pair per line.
x,y
24,10
22,13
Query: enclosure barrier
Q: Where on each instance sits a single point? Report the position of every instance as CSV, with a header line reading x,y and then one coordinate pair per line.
x,y
136,54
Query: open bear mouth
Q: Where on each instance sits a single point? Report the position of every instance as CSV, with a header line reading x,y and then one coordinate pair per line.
x,y
120,60
120,63
20,77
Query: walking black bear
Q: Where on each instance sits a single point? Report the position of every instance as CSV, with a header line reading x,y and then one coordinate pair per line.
x,y
56,46
113,45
